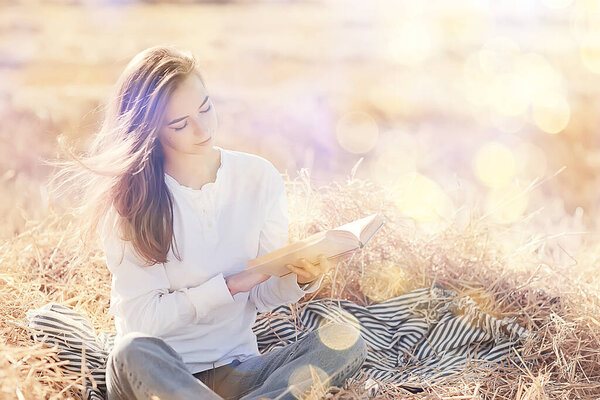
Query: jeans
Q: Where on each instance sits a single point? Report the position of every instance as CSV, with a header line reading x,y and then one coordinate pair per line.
x,y
141,366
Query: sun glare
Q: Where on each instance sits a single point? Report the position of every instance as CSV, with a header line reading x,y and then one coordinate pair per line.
x,y
495,165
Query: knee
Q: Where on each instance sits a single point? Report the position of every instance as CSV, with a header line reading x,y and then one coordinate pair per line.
x,y
129,348
345,351
343,337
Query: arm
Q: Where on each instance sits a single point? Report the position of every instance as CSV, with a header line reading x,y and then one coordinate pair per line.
x,y
276,291
141,296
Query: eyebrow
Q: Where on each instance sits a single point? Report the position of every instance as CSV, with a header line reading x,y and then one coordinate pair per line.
x,y
184,117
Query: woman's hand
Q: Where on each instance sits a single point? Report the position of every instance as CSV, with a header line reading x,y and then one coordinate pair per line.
x,y
307,271
244,281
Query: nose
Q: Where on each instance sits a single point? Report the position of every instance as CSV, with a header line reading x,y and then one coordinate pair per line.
x,y
201,128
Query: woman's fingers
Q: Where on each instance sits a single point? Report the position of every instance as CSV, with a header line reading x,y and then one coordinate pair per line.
x,y
311,271
308,266
324,264
308,270
299,271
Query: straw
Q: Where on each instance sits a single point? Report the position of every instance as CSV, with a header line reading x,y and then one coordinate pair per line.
x,y
509,270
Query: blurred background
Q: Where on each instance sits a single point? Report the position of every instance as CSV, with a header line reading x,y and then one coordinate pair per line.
x,y
491,104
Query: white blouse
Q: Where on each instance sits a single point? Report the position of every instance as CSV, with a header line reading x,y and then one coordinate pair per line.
x,y
218,228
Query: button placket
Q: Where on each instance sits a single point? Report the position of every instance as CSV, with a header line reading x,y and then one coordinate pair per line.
x,y
204,205
208,216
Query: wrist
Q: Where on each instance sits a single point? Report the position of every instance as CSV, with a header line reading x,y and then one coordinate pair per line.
x,y
232,291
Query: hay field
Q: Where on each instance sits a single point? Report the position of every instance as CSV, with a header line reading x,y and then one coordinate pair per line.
x,y
472,128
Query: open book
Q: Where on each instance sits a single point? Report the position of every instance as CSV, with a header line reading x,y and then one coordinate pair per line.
x,y
332,243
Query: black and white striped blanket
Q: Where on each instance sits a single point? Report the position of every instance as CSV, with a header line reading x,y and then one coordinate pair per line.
x,y
416,339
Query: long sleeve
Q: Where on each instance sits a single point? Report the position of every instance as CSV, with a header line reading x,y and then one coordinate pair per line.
x,y
141,296
276,291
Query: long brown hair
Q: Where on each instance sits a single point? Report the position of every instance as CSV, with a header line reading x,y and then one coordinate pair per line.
x,y
123,170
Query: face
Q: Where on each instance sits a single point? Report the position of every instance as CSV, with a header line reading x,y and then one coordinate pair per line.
x,y
190,121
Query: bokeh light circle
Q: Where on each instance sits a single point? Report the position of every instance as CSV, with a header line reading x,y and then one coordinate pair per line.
x,y
507,96
494,165
339,339
590,52
551,112
421,198
357,132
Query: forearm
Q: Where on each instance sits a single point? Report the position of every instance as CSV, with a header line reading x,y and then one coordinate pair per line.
x,y
230,286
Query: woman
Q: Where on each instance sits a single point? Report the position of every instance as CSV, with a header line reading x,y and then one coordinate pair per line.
x,y
179,218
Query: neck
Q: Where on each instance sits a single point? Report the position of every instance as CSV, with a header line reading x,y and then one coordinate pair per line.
x,y
192,170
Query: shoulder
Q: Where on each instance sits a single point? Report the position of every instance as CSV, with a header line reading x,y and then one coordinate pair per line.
x,y
253,165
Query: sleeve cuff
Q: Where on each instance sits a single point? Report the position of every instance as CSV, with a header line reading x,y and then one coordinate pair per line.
x,y
290,288
312,286
210,295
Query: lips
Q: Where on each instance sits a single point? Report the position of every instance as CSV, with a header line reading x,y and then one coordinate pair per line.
x,y
206,141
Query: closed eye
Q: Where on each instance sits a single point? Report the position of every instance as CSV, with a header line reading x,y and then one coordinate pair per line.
x,y
202,112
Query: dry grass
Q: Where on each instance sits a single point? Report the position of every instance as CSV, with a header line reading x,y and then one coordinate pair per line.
x,y
541,270
558,303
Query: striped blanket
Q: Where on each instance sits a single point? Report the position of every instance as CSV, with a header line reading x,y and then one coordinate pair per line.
x,y
416,339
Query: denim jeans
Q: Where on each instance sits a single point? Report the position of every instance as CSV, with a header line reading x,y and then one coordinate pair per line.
x,y
140,366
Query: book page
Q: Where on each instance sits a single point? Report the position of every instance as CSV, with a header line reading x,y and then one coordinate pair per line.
x,y
360,230
332,243
356,227
375,224
290,248
310,251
